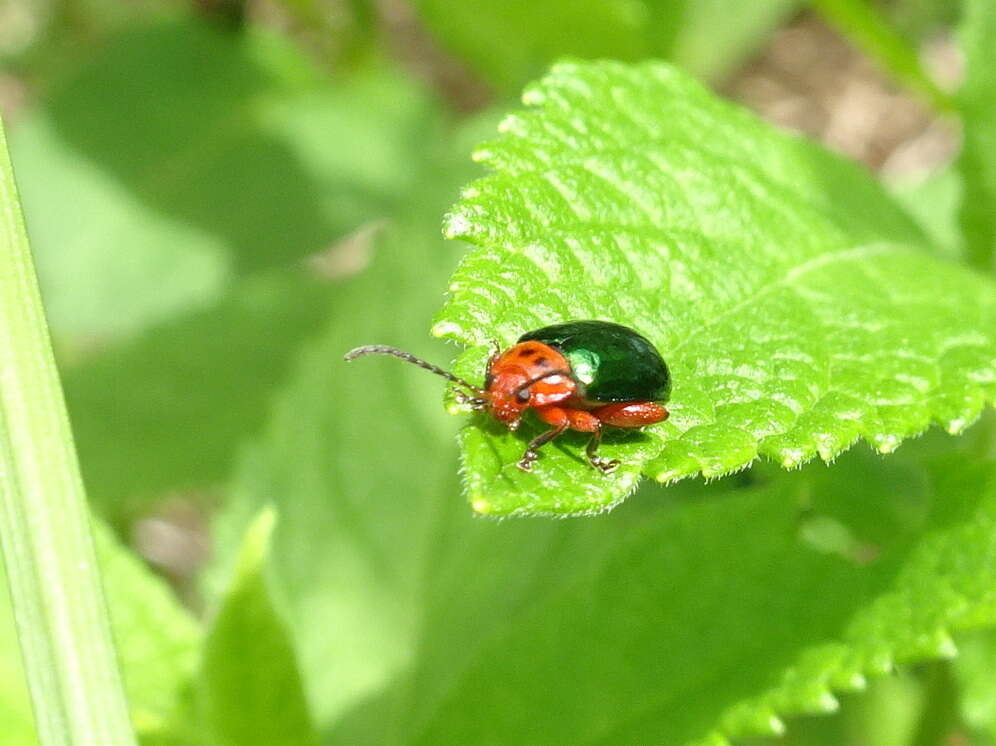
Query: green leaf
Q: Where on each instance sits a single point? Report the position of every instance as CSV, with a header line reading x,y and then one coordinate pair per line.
x,y
712,37
49,552
685,611
357,460
884,714
139,218
157,644
530,34
715,618
249,688
977,163
795,302
158,639
15,704
862,23
167,409
510,43
974,673
933,201
55,588
81,217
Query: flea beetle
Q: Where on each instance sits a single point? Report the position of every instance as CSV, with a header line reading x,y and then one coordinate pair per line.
x,y
581,375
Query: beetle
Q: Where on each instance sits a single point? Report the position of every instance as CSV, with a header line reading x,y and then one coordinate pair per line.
x,y
579,375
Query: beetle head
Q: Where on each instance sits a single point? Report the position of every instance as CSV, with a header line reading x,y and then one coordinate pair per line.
x,y
512,391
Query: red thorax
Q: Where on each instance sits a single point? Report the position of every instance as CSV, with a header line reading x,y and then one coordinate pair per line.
x,y
530,374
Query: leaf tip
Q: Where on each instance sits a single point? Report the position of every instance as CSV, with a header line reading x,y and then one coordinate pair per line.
x,y
855,682
827,703
533,96
256,543
756,720
944,646
955,426
881,663
456,225
446,329
886,443
668,475
480,506
792,458
511,124
566,67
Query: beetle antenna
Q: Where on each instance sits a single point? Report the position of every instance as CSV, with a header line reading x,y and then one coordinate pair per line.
x,y
407,357
540,377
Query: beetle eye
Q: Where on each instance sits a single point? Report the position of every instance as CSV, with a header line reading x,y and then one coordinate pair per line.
x,y
523,396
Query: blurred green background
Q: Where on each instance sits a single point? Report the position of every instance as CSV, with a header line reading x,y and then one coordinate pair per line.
x,y
223,197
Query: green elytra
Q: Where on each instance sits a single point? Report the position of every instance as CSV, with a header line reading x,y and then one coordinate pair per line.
x,y
611,362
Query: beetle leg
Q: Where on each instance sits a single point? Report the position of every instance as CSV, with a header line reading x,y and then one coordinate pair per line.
x,y
576,419
556,417
605,465
631,414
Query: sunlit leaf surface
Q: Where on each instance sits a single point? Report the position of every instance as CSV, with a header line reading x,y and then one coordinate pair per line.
x,y
793,299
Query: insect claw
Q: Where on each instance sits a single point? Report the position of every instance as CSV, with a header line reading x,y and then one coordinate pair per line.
x,y
604,465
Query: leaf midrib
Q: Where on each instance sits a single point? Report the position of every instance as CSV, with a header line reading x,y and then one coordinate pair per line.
x,y
788,279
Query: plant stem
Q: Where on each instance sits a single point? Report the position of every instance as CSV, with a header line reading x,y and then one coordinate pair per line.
x,y
45,534
871,33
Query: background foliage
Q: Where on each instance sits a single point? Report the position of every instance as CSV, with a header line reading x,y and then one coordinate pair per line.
x,y
210,244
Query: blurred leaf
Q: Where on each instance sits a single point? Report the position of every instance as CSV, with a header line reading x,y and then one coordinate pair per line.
x,y
792,298
108,264
509,43
919,19
974,671
156,638
933,201
355,462
884,714
202,156
683,611
166,410
249,686
341,31
148,183
156,641
365,450
718,617
714,36
53,577
15,704
862,23
977,162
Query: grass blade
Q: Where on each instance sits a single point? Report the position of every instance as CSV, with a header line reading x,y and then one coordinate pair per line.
x,y
44,524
